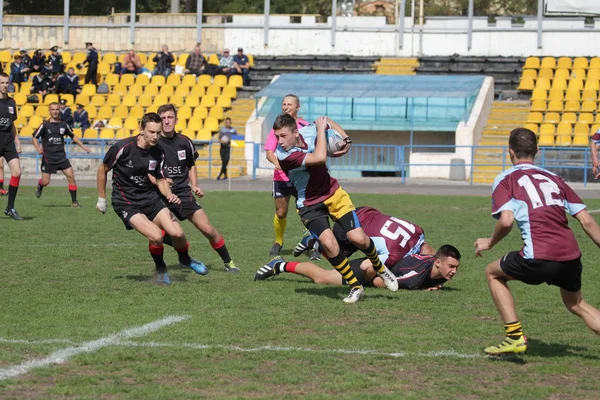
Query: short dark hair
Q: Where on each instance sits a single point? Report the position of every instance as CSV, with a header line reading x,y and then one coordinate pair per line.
x,y
166,107
54,103
284,121
4,75
294,97
150,117
447,250
227,119
523,143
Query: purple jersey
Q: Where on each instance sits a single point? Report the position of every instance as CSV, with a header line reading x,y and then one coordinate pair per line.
x,y
538,200
398,236
414,272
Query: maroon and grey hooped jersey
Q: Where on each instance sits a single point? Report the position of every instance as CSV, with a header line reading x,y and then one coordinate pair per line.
x,y
131,166
538,199
413,272
180,156
52,135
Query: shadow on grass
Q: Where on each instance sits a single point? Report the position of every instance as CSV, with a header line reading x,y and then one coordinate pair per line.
x,y
543,349
339,292
174,278
57,206
24,218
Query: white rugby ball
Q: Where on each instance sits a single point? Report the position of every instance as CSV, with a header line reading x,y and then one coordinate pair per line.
x,y
335,141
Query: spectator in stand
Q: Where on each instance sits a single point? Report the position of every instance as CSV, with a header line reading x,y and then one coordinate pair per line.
x,y
132,63
17,74
66,115
225,136
195,64
164,62
26,64
225,63
81,118
241,64
41,84
38,62
53,81
55,62
92,63
68,83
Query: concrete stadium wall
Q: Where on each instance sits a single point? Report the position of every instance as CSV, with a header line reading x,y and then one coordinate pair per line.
x,y
441,36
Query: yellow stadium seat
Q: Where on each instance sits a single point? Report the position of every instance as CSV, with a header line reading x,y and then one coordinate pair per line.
x,y
115,122
189,80
220,81
546,140
542,83
555,106
88,89
136,112
532,127
135,90
580,140
592,84
182,90
593,74
26,131
109,58
143,58
216,112
166,90
26,111
213,91
571,106
192,101
180,125
174,80
190,133
158,80
569,117
131,123
160,100
177,100
184,112
204,135
212,124
548,62
104,112
77,132
198,91
111,80
597,120
575,84
546,73
589,94
142,80
562,74
200,112
195,124
251,60
588,106
530,62
127,79
552,118
42,111
103,68
129,100
204,80
539,94
78,57
20,98
534,117
213,59
90,133
564,128
107,133
237,80
564,62
25,87
559,83
207,101
563,140
121,57
556,94
35,121
91,110
582,128
20,122
97,100
66,57
122,134
573,94
69,98
587,118
145,100
578,74
230,92
152,108
580,63
151,90
595,63
50,98
225,101
119,90
121,111
113,100
182,59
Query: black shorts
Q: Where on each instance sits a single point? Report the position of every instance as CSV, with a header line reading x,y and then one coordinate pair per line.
x,y
359,273
316,219
347,247
283,189
126,211
564,274
186,209
53,168
8,150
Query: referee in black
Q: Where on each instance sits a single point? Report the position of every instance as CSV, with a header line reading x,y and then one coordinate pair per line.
x,y
10,146
92,64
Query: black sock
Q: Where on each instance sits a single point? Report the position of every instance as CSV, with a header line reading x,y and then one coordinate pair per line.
x,y
1,184
184,255
157,255
168,240
222,251
12,193
73,195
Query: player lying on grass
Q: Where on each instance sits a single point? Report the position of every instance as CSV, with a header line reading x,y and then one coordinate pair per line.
x,y
416,271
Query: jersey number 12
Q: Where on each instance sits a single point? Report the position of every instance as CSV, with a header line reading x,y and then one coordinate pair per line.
x,y
547,186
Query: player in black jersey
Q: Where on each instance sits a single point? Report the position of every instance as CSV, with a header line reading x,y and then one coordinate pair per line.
x,y
136,199
180,169
52,134
417,271
10,146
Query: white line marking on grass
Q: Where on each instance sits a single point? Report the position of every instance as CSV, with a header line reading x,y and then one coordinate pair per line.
x,y
61,356
593,211
43,341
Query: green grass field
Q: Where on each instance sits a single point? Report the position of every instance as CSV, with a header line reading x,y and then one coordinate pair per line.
x,y
71,277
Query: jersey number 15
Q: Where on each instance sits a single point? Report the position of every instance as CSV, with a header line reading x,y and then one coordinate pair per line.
x,y
400,231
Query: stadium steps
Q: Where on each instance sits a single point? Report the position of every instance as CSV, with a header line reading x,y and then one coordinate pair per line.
x,y
240,111
235,169
396,66
504,117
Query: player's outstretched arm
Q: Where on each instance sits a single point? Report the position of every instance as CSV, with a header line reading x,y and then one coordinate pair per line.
x,y
347,140
80,144
503,227
589,225
101,186
272,158
319,156
165,188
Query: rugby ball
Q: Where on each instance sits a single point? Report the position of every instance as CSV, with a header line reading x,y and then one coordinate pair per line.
x,y
335,141
225,139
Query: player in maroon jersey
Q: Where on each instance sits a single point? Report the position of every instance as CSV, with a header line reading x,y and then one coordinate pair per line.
x,y
537,200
